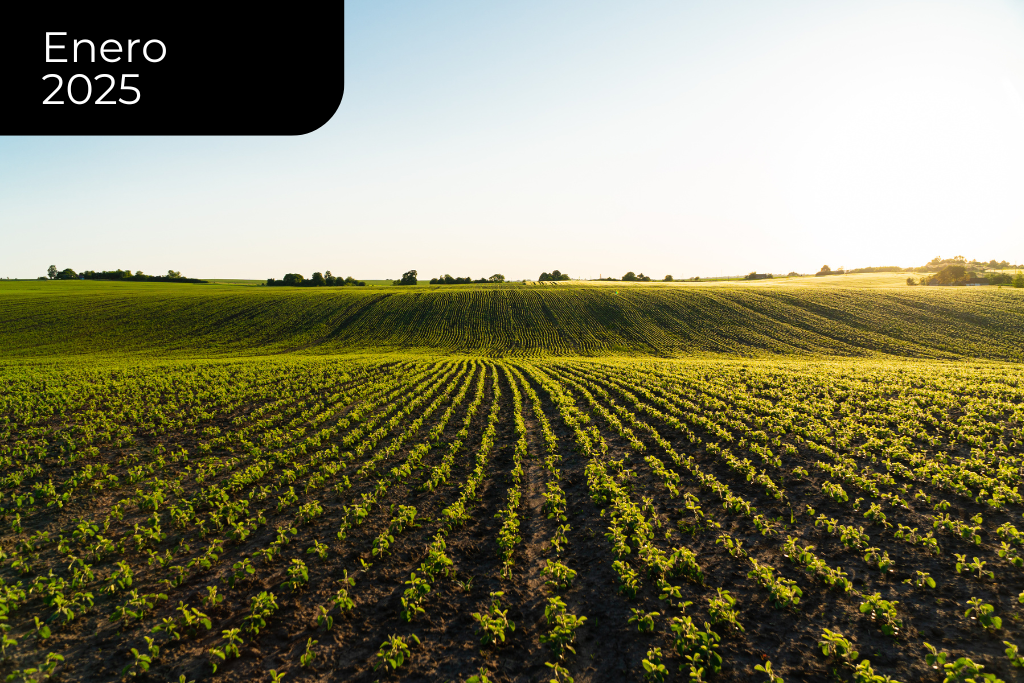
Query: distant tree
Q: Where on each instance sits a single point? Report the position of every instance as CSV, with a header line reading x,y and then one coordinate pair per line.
x,y
960,259
643,278
911,281
935,261
951,275
825,269
999,278
317,280
408,278
330,280
1018,281
293,279
497,277
52,272
173,274
67,274
668,278
553,276
793,273
629,277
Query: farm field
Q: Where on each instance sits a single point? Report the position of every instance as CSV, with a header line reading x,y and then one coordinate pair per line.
x,y
415,517
89,318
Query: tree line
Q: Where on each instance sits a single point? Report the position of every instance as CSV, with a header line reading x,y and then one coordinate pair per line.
x,y
318,280
411,277
958,274
53,273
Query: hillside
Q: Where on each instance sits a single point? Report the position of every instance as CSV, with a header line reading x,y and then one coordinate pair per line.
x,y
61,318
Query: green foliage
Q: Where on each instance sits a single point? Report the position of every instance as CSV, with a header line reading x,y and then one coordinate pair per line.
x,y
394,652
493,624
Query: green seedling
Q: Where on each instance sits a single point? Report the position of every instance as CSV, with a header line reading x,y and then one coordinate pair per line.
x,y
495,622
644,621
654,670
394,652
309,655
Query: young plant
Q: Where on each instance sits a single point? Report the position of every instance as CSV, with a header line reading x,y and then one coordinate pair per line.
x,y
834,644
883,612
309,655
394,651
415,594
629,579
211,599
935,659
319,549
298,575
140,664
561,627
766,669
560,576
561,674
644,621
979,567
722,610
262,607
1016,661
654,670
879,559
229,649
323,618
495,622
696,646
921,579
982,612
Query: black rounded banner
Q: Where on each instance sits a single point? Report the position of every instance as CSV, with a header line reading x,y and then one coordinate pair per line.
x,y
178,70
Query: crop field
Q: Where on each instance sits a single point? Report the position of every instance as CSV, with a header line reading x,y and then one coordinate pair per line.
x,y
399,517
47,319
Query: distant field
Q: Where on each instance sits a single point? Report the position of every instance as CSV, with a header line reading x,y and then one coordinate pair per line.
x,y
565,319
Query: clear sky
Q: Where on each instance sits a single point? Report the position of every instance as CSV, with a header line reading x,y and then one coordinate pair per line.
x,y
682,137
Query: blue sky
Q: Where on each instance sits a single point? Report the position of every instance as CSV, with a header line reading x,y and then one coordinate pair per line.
x,y
691,138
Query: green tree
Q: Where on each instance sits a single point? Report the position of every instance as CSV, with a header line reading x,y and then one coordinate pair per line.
x,y
629,277
825,269
497,277
408,278
553,276
951,275
1018,281
52,272
668,278
317,280
173,274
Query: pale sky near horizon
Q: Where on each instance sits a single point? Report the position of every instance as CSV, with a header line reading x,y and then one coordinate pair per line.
x,y
689,138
